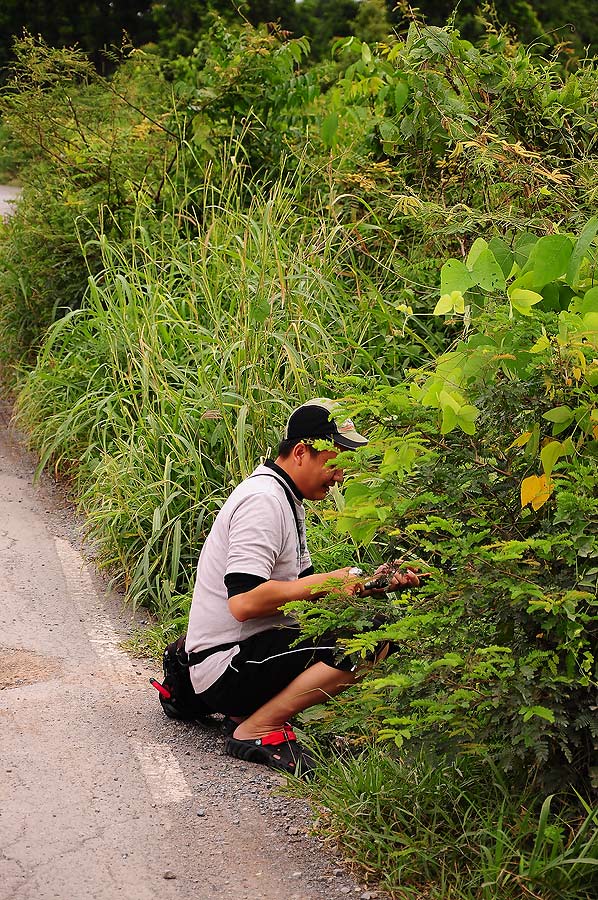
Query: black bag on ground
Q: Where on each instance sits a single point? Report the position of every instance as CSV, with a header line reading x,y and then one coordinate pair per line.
x,y
183,702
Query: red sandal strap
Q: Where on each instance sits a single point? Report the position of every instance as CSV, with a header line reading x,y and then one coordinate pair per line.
x,y
279,737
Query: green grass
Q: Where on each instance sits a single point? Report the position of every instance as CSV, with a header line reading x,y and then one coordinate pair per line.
x,y
426,828
195,342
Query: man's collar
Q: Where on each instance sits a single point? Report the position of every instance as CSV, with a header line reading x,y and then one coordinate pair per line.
x,y
270,464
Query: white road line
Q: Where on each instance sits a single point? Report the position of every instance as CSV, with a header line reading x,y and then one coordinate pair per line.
x,y
158,764
101,633
162,772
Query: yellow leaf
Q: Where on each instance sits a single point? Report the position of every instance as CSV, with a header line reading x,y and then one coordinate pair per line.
x,y
521,441
444,305
541,344
535,490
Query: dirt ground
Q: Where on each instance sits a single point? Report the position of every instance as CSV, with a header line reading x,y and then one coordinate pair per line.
x,y
101,796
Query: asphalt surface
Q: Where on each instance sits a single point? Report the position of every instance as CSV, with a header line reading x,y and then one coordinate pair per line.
x,y
101,796
8,195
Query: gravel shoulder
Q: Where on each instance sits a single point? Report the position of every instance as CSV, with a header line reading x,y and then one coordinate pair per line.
x,y
101,796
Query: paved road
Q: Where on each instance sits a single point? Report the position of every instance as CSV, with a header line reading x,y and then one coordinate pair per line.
x,y
102,797
7,197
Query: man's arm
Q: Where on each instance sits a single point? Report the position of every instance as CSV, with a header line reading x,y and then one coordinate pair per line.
x,y
267,598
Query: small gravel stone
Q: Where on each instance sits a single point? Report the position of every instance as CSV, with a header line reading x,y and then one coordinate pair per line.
x,y
201,813
338,872
345,890
168,875
292,830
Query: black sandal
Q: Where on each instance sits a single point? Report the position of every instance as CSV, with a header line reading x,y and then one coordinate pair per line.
x,y
278,750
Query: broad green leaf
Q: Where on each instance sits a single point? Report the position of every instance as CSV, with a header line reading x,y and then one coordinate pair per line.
x,y
524,244
589,303
445,398
561,417
590,321
551,296
389,131
487,272
466,418
329,129
481,340
523,300
449,419
398,459
502,254
549,259
448,363
430,392
559,414
415,392
522,281
355,490
401,95
549,454
533,445
454,276
588,233
361,532
477,247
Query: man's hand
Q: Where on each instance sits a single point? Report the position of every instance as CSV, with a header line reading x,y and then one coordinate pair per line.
x,y
352,584
389,577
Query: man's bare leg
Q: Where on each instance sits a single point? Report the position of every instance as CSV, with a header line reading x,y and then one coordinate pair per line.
x,y
313,686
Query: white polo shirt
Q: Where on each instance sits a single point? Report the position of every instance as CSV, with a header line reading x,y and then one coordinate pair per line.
x,y
254,533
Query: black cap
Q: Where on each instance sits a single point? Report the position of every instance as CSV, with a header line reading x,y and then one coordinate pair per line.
x,y
314,420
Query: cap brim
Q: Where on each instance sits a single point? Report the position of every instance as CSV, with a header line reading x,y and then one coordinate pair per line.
x,y
349,440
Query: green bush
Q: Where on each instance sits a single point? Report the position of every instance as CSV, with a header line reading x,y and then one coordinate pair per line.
x,y
486,471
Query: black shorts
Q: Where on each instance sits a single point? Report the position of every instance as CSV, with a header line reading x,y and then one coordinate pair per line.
x,y
265,664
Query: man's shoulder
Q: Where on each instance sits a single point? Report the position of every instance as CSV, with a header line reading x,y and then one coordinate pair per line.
x,y
261,485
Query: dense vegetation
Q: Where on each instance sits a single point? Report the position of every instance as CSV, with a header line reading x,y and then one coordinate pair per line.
x,y
204,240
102,27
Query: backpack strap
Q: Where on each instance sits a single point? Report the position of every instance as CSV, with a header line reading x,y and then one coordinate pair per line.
x,y
289,496
193,659
177,651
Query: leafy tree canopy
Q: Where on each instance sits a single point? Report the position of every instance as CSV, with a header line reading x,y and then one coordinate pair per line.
x,y
176,25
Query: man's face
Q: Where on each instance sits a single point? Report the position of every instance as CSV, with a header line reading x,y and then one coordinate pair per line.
x,y
318,475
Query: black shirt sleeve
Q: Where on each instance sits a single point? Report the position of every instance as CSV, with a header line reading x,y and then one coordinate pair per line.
x,y
241,582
